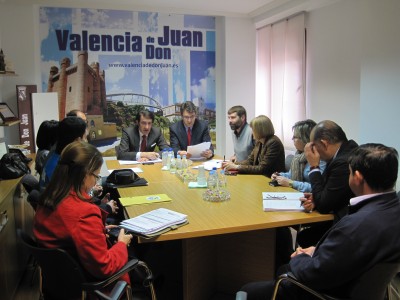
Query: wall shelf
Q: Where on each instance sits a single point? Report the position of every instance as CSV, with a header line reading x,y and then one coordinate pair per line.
x,y
11,123
8,75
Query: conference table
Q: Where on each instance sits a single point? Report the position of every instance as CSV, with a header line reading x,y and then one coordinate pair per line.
x,y
225,244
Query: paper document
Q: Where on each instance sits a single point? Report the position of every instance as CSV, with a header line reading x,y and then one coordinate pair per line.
x,y
280,201
196,150
209,165
127,201
136,170
128,162
154,221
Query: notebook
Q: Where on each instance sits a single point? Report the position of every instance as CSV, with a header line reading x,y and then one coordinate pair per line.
x,y
280,201
154,222
6,113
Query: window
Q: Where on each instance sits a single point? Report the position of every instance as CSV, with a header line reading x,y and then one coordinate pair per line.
x,y
280,75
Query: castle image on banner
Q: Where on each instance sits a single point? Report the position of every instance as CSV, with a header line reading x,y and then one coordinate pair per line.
x,y
80,86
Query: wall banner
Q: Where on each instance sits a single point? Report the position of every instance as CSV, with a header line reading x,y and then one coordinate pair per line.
x,y
106,62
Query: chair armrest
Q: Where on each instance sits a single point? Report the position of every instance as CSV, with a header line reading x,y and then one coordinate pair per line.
x,y
116,292
292,279
241,295
129,266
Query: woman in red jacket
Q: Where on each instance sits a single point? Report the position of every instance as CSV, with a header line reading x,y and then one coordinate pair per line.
x,y
66,218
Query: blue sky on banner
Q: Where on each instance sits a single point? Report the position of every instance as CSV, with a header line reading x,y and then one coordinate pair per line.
x,y
146,61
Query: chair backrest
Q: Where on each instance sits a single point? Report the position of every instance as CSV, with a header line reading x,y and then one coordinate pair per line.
x,y
373,283
62,276
288,161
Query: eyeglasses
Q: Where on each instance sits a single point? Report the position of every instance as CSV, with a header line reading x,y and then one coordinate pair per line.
x,y
189,117
98,177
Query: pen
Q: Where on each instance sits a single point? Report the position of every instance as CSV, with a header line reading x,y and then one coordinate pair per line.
x,y
153,145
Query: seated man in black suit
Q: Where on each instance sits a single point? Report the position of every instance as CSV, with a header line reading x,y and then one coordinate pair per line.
x,y
138,141
368,235
330,189
189,131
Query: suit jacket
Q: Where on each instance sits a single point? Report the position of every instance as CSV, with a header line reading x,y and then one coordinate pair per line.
x,y
178,135
77,226
331,191
130,142
368,235
271,158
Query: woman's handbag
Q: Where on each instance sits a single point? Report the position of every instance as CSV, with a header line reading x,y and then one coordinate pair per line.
x,y
12,166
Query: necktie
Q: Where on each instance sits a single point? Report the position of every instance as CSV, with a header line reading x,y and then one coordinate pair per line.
x,y
143,144
189,134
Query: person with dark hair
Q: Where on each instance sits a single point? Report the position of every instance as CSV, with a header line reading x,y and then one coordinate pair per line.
x,y
70,129
242,137
46,138
367,236
139,141
80,114
66,218
330,190
297,177
190,131
268,154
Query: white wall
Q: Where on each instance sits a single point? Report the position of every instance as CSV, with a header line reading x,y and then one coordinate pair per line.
x,y
333,66
17,41
353,68
240,58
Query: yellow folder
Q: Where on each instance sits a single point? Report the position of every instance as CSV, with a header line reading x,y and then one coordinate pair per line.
x,y
127,201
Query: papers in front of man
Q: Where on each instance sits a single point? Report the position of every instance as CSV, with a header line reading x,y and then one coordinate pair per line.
x,y
154,222
196,150
281,201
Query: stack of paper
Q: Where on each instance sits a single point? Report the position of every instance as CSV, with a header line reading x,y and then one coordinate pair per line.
x,y
154,222
278,201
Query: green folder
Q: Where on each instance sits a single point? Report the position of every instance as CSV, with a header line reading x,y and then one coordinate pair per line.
x,y
147,199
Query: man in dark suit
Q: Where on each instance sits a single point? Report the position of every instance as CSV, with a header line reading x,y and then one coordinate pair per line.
x,y
330,190
138,141
368,235
189,131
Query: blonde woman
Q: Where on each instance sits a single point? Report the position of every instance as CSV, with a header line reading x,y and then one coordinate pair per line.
x,y
268,154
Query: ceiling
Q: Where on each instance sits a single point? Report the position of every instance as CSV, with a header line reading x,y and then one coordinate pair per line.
x,y
233,8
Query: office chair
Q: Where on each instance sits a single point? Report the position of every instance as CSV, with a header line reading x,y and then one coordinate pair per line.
x,y
288,161
63,278
372,285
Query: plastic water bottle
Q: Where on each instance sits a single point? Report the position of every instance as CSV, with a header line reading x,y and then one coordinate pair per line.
x,y
172,166
164,157
201,177
170,155
178,162
222,179
211,183
216,177
184,163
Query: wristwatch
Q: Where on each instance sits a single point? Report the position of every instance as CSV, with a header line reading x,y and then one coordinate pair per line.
x,y
314,167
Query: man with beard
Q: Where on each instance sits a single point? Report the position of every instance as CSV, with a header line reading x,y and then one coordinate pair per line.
x,y
243,142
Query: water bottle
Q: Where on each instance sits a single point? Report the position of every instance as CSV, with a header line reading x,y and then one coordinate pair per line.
x,y
184,163
178,163
222,179
211,183
201,177
216,178
172,166
170,155
164,157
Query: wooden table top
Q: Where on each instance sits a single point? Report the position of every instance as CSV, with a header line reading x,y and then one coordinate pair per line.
x,y
243,212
